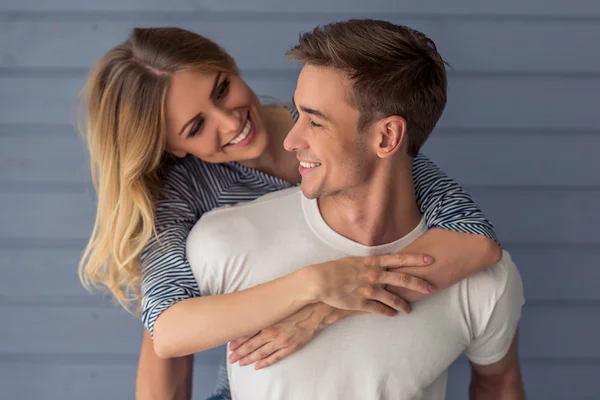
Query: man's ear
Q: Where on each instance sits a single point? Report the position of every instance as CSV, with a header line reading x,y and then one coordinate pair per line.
x,y
390,136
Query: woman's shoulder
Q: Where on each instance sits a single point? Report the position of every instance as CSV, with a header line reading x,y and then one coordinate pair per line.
x,y
191,173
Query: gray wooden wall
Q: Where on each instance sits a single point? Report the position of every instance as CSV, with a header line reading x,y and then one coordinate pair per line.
x,y
521,132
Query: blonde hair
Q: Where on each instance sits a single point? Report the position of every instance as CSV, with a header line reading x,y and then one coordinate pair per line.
x,y
124,107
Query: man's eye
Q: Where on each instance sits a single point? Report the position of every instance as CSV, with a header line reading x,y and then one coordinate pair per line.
x,y
314,124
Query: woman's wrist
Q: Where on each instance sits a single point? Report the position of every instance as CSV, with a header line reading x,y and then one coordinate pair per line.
x,y
311,280
336,314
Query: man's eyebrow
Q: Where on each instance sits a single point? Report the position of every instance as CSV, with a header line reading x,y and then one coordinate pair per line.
x,y
314,112
195,117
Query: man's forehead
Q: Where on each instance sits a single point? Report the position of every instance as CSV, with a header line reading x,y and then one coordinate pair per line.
x,y
314,74
321,87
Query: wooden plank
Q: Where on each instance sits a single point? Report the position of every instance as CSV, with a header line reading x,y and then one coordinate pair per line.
x,y
527,102
52,216
36,100
40,275
25,381
550,273
517,158
475,102
556,273
554,381
580,8
467,44
552,215
76,331
541,215
43,153
556,331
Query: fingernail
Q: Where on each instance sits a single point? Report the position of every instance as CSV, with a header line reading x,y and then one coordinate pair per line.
x,y
257,366
428,259
431,288
242,363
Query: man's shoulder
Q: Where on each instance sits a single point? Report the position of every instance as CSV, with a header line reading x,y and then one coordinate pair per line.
x,y
282,199
492,282
243,221
497,289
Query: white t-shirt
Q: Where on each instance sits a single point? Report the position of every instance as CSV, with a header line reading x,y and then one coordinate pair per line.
x,y
364,357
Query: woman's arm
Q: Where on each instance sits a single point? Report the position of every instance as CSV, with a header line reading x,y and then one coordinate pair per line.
x,y
457,256
460,237
166,280
201,323
350,283
160,378
169,290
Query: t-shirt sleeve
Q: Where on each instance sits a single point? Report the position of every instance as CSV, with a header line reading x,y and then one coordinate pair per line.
x,y
202,243
444,203
494,322
166,274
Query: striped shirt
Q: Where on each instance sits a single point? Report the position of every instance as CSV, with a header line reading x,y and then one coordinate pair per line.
x,y
193,187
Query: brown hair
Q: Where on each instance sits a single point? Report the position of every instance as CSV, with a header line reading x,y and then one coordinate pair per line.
x,y
124,108
393,69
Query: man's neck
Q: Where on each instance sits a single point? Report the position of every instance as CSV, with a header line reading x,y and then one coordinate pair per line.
x,y
382,211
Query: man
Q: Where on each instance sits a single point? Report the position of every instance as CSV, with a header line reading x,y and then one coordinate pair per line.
x,y
369,95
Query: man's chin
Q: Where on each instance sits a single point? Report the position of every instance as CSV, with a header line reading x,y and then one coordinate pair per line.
x,y
309,192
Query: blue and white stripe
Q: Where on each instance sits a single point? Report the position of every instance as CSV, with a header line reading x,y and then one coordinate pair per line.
x,y
194,187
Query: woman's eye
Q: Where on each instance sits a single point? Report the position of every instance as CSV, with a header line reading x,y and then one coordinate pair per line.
x,y
223,88
194,130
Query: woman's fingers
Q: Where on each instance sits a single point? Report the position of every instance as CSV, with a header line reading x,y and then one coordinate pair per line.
x,y
349,282
391,300
259,354
403,280
247,347
402,260
375,307
238,342
276,357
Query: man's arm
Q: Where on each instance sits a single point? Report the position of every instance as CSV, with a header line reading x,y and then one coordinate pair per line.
x,y
495,303
162,378
498,381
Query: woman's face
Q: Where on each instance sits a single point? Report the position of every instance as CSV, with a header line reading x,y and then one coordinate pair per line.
x,y
213,116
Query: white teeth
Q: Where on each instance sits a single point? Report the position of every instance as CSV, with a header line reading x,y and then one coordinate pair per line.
x,y
309,165
243,134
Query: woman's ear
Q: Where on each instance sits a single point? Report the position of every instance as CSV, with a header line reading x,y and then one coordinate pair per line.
x,y
179,154
176,153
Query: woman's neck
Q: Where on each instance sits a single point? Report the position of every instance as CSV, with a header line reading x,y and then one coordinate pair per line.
x,y
275,160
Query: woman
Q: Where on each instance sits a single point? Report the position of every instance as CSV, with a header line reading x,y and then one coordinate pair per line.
x,y
173,132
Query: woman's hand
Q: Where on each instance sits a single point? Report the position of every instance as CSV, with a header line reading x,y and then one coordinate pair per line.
x,y
277,342
354,283
358,283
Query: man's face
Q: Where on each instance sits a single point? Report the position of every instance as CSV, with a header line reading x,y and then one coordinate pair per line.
x,y
335,157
